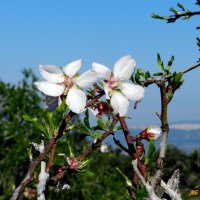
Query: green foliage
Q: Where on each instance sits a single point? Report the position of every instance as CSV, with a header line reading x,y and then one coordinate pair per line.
x,y
86,119
15,134
140,193
140,74
183,14
177,81
98,180
161,65
150,152
48,122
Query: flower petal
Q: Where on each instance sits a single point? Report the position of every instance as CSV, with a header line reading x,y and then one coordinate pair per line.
x,y
72,68
50,89
76,100
87,79
132,91
119,104
102,71
51,73
124,68
107,90
154,132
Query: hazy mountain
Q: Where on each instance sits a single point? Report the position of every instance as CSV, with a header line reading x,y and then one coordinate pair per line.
x,y
184,135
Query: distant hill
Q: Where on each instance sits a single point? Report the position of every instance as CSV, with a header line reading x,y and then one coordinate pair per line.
x,y
183,126
186,136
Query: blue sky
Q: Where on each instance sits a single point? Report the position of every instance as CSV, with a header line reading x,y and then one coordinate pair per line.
x,y
58,32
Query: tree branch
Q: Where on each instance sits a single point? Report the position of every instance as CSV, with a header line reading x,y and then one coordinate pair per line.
x,y
89,150
132,150
173,18
149,189
33,165
153,80
165,130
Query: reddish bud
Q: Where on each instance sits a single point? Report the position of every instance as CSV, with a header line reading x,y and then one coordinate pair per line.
x,y
57,169
152,132
103,107
140,148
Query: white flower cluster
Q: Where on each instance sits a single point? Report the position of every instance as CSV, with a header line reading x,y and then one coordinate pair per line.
x,y
66,81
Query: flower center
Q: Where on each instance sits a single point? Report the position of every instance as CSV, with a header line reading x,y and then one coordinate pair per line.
x,y
68,83
113,84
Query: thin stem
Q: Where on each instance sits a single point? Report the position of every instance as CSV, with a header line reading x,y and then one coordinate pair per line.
x,y
99,140
153,80
165,130
118,143
51,157
33,165
88,151
186,70
173,18
131,148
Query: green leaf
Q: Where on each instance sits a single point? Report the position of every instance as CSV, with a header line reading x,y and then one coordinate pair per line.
x,y
151,150
174,11
147,75
27,118
137,78
83,129
177,81
158,74
186,18
85,173
101,124
128,181
160,64
170,63
182,7
108,122
86,119
101,83
132,78
96,136
71,152
117,128
156,16
36,122
140,72
140,193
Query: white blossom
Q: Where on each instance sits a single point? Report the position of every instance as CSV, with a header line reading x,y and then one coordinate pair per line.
x,y
154,132
104,148
66,81
117,90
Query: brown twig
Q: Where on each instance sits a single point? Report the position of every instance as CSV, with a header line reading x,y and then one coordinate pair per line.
x,y
165,130
99,140
51,157
153,80
33,165
117,142
173,18
132,150
185,70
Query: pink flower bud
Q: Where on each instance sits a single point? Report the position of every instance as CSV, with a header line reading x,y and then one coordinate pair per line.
x,y
152,132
